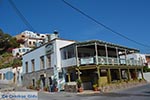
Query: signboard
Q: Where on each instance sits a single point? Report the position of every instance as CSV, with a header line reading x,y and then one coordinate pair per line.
x,y
87,60
9,75
49,48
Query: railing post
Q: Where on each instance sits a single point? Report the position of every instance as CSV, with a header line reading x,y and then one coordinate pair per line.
x,y
106,54
96,54
77,59
117,56
126,57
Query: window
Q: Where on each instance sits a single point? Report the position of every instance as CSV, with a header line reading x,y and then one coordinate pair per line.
x,y
19,50
29,42
42,62
48,60
3,76
60,74
33,42
23,50
33,64
26,64
0,76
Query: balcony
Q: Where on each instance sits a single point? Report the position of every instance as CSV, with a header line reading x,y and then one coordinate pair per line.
x,y
101,61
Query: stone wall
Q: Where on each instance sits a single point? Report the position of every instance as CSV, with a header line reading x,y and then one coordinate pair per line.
x,y
122,85
71,87
28,78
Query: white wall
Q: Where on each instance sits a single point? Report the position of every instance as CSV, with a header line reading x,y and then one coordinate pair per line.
x,y
146,76
59,44
5,81
37,53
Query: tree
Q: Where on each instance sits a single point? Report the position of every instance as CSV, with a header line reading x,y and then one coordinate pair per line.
x,y
7,41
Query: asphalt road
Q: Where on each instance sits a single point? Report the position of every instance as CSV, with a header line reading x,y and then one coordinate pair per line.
x,y
136,93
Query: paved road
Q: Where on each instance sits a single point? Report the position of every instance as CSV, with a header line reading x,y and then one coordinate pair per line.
x,y
136,93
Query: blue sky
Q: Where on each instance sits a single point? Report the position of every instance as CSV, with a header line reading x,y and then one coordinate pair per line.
x,y
129,17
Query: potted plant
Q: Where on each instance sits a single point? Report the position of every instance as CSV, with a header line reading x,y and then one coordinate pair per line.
x,y
38,83
46,88
79,82
95,87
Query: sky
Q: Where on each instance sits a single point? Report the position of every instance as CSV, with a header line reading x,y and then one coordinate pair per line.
x,y
128,17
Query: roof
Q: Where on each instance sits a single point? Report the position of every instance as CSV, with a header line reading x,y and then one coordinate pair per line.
x,y
100,42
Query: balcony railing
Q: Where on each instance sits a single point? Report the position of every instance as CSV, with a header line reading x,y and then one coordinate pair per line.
x,y
101,61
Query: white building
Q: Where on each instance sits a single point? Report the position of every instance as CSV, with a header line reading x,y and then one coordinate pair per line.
x,y
11,76
20,51
135,59
32,39
44,63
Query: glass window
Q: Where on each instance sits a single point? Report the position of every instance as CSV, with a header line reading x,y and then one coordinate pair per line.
x,y
0,76
60,75
48,61
33,64
26,64
23,50
42,62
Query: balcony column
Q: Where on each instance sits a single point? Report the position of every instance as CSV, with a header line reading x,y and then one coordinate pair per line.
x,y
78,72
106,54
77,59
129,76
109,75
126,57
96,54
120,75
98,73
117,53
136,71
69,79
142,73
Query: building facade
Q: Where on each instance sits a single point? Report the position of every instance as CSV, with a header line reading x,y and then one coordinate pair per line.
x,y
20,51
11,76
44,64
100,63
148,59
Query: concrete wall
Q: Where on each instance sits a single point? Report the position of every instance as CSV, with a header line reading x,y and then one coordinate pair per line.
x,y
146,76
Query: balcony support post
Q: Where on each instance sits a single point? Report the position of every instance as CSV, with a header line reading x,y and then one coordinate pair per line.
x,y
129,75
96,54
77,59
117,53
106,50
98,73
109,75
142,73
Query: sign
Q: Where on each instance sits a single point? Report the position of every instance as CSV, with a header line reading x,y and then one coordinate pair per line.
x,y
9,75
19,95
87,60
49,48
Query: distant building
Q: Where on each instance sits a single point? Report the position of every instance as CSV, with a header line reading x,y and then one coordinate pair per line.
x,y
31,39
20,51
148,59
11,76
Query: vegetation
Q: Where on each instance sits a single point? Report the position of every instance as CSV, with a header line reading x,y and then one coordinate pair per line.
x,y
79,82
7,42
146,69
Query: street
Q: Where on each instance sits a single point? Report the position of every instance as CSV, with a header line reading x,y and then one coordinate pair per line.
x,y
135,93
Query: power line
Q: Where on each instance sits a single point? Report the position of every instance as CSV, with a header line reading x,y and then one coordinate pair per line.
x,y
106,27
21,15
